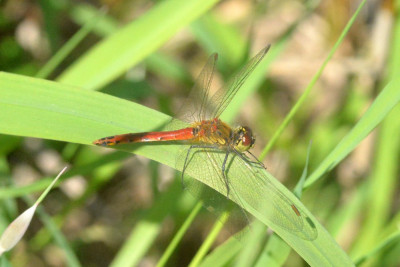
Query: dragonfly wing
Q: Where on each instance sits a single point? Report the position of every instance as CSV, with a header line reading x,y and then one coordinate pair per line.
x,y
194,108
175,124
254,186
224,95
251,189
201,163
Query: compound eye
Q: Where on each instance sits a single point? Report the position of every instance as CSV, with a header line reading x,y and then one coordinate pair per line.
x,y
245,140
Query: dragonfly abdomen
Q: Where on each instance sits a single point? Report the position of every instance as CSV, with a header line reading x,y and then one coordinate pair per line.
x,y
182,134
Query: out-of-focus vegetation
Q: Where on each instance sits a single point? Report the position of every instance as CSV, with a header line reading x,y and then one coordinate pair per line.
x,y
117,208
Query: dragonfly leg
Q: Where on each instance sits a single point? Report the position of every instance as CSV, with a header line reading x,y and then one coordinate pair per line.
x,y
223,174
248,160
186,163
185,166
256,160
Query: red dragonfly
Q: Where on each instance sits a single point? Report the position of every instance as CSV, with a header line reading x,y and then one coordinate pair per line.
x,y
216,153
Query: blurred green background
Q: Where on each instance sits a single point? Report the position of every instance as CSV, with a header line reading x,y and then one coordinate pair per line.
x,y
121,209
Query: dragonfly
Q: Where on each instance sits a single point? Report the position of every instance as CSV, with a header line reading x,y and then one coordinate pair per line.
x,y
218,155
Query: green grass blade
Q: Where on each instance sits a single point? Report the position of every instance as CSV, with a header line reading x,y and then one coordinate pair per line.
x,y
215,36
223,254
50,13
82,13
384,174
390,240
63,52
387,99
60,239
253,241
44,194
274,254
179,235
299,186
137,244
157,62
145,232
13,192
307,91
128,46
205,246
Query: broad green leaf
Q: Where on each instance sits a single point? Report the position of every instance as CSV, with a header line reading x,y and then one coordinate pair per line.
x,y
49,110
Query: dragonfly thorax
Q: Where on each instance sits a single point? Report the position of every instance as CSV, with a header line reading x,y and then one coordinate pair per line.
x,y
243,138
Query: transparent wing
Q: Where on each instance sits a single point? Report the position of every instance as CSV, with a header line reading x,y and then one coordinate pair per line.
x,y
214,201
250,188
194,108
224,95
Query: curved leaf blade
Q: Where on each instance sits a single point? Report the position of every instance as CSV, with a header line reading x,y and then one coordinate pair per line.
x,y
44,109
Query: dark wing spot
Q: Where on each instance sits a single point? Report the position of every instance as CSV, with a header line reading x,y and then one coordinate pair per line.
x,y
296,210
310,222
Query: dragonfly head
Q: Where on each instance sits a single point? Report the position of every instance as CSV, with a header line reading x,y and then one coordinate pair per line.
x,y
243,138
